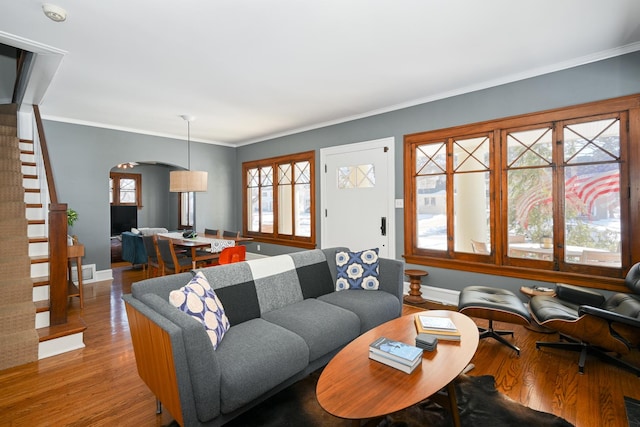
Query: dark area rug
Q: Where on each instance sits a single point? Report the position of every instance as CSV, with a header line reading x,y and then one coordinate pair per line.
x,y
633,411
479,404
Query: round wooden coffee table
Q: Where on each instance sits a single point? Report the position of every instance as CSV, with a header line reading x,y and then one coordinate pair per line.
x,y
355,387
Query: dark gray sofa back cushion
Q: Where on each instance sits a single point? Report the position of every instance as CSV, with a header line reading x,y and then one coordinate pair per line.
x,y
313,273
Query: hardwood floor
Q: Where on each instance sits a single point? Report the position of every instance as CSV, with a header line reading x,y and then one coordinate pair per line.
x,y
99,385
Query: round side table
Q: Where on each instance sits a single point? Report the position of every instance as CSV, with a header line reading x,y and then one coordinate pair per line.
x,y
415,280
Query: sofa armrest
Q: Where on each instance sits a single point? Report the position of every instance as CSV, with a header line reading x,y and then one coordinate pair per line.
x,y
391,277
200,362
157,344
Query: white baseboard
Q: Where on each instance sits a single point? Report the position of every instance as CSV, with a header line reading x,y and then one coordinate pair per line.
x,y
91,275
60,345
102,275
439,295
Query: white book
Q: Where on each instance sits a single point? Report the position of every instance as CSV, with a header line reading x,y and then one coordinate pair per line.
x,y
395,364
437,323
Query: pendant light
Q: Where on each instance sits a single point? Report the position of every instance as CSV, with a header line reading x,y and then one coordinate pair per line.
x,y
188,181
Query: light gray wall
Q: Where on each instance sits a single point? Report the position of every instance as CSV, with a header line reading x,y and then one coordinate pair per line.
x,y
596,81
8,57
82,157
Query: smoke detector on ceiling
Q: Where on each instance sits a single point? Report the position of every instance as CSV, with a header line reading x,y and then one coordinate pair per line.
x,y
53,12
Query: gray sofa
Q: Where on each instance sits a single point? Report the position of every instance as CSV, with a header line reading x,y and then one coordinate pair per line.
x,y
286,320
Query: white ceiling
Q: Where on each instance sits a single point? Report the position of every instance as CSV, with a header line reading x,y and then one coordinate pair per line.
x,y
249,70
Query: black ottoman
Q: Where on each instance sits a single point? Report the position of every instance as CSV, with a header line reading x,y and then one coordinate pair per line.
x,y
494,304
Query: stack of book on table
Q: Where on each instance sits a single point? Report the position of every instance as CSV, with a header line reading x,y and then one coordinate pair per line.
x,y
396,354
427,342
442,328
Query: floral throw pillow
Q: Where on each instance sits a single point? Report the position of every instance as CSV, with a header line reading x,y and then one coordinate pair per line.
x,y
357,270
199,301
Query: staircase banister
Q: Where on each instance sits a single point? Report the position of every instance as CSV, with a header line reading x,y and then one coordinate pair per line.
x,y
53,195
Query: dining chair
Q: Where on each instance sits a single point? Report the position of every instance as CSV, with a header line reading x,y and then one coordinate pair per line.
x,y
231,234
212,232
479,247
233,254
170,260
153,259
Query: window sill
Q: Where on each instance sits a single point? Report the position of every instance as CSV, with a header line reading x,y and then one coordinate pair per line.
x,y
587,280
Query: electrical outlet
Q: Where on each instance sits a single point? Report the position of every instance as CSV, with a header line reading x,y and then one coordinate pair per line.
x,y
258,248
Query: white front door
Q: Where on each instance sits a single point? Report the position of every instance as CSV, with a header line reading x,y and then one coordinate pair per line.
x,y
357,196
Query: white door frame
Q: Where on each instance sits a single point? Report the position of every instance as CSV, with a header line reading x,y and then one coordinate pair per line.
x,y
388,142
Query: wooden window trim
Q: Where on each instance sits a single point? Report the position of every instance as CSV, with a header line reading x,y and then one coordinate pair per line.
x,y
275,237
629,105
116,177
181,225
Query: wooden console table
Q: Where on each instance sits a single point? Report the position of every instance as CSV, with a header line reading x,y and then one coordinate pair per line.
x,y
75,253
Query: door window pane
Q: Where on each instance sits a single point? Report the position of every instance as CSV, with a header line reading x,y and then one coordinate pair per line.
x,y
360,176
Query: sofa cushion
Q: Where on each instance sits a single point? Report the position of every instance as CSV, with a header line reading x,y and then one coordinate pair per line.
x,y
276,282
357,270
324,327
241,302
254,357
373,308
313,273
235,287
199,301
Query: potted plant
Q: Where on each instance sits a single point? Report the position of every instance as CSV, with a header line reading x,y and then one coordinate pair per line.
x,y
72,217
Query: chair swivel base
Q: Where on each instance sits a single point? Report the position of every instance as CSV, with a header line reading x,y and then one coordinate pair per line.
x,y
498,336
585,349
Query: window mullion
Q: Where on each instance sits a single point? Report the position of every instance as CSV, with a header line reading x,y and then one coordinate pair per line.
x,y
558,196
450,197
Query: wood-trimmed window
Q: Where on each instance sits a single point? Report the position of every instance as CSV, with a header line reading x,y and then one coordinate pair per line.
x,y
125,189
186,210
544,196
279,199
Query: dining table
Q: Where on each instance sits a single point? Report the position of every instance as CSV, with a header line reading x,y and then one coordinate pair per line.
x,y
202,249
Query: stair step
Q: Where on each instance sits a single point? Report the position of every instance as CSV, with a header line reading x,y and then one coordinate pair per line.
x,y
38,239
39,259
31,190
74,325
42,306
28,152
34,205
29,164
40,281
36,222
29,176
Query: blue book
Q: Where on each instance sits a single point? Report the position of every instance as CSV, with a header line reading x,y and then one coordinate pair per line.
x,y
396,350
